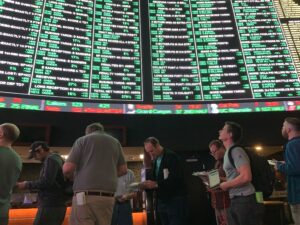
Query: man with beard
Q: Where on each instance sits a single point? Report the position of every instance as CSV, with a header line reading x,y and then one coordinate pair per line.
x,y
291,166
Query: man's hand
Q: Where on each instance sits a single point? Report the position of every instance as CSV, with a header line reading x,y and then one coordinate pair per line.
x,y
148,184
21,185
278,163
224,186
68,170
122,198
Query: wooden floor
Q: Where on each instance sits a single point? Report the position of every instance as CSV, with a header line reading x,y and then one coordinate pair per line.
x,y
26,217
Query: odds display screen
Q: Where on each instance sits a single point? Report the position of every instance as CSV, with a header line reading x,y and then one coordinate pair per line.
x,y
150,57
75,49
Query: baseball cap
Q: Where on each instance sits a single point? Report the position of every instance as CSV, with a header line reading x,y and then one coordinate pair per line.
x,y
36,146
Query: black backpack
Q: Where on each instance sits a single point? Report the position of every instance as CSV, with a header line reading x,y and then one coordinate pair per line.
x,y
263,175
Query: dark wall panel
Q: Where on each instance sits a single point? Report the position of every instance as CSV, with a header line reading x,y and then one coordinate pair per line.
x,y
182,132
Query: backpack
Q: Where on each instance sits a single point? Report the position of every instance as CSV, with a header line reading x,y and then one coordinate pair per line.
x,y
263,175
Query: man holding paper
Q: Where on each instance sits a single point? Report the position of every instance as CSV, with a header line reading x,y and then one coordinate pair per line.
x,y
291,166
122,212
168,181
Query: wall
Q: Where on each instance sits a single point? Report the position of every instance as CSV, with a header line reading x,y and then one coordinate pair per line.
x,y
179,132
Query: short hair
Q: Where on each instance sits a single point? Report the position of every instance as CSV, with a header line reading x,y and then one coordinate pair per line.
x,y
295,122
94,127
236,130
153,140
10,132
217,143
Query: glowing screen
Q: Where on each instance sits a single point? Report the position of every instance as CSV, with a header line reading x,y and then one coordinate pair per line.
x,y
150,57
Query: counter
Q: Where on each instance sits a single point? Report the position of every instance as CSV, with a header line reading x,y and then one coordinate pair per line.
x,y
26,216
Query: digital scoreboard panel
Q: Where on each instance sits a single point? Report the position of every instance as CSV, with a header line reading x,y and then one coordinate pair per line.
x,y
76,49
219,50
150,57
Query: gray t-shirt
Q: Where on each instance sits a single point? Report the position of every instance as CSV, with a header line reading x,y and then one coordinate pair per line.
x,y
240,158
97,156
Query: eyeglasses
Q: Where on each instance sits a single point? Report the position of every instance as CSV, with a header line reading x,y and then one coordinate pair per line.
x,y
213,152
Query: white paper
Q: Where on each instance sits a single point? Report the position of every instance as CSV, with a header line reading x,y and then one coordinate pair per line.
x,y
166,173
213,178
134,185
27,199
272,162
80,198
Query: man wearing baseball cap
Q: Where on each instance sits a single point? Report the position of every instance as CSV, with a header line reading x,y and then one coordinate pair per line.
x,y
51,202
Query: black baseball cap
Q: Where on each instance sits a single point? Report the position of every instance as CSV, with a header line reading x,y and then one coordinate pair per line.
x,y
36,146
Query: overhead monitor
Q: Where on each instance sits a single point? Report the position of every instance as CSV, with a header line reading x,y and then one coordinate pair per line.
x,y
150,57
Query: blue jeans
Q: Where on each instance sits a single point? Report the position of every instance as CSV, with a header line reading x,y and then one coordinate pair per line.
x,y
172,211
244,211
122,214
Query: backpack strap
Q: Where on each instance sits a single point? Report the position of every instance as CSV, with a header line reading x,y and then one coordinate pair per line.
x,y
230,155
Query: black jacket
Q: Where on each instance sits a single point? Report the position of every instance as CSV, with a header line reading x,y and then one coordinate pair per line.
x,y
50,183
174,184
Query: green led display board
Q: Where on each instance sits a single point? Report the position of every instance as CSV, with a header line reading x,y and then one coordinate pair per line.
x,y
149,57
216,50
75,49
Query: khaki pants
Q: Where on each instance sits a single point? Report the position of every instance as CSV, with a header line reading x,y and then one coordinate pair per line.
x,y
296,213
96,211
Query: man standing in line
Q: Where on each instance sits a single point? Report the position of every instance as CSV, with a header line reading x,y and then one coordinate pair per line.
x,y
243,206
217,150
51,202
291,166
122,212
96,160
10,167
168,182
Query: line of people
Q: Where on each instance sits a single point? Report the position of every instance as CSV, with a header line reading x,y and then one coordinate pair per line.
x,y
97,160
243,207
94,164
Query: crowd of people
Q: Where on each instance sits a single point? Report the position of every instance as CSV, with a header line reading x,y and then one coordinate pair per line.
x,y
101,179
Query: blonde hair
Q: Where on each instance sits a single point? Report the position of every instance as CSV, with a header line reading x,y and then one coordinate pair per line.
x,y
10,131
